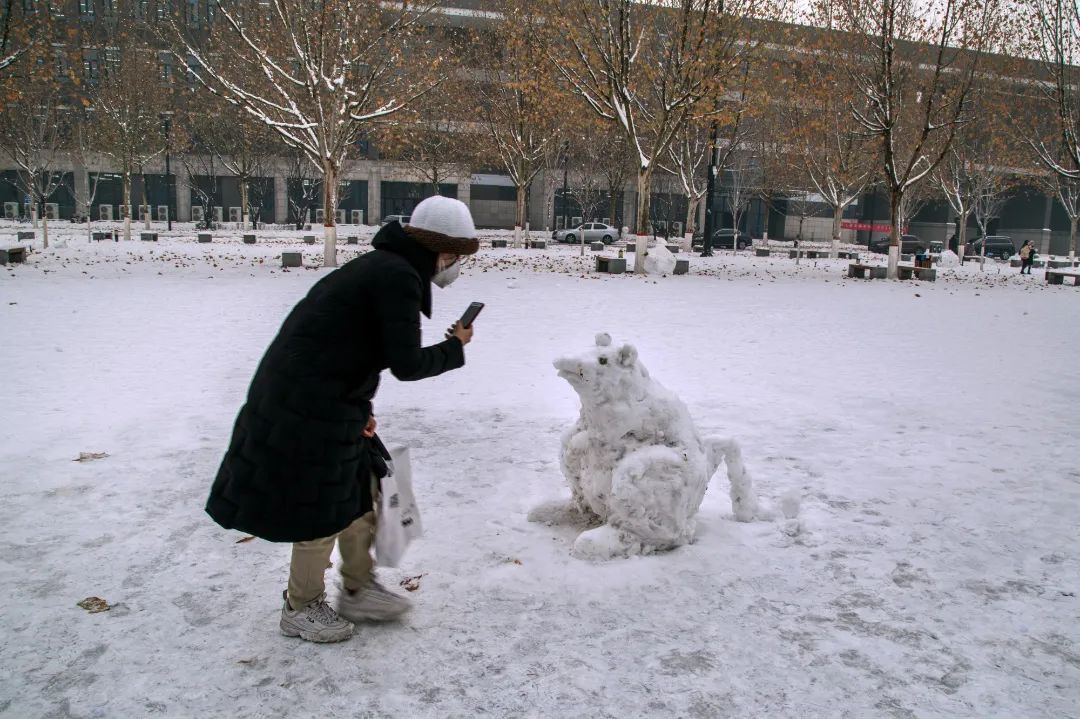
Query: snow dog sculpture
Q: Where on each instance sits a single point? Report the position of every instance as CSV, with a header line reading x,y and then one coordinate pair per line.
x,y
634,459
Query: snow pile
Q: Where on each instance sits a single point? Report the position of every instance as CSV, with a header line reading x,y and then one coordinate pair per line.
x,y
659,260
634,459
948,259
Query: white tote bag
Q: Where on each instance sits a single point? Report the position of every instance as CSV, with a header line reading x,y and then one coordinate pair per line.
x,y
398,521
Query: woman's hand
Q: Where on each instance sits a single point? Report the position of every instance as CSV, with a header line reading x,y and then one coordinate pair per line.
x,y
464,334
369,428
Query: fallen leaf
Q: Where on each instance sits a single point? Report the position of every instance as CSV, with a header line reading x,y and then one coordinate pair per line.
x,y
88,456
244,539
411,584
94,605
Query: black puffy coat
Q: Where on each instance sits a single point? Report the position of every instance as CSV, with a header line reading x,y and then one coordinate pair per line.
x,y
298,467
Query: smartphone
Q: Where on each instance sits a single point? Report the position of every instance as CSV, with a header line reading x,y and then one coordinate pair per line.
x,y
471,313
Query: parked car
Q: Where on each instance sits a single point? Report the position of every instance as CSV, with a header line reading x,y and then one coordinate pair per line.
x,y
726,239
909,245
403,219
996,246
592,231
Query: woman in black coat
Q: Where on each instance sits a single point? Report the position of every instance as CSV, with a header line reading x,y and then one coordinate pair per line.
x,y
304,460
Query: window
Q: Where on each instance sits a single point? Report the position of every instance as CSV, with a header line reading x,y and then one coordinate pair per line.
x,y
86,8
142,7
164,9
91,66
192,12
165,67
112,59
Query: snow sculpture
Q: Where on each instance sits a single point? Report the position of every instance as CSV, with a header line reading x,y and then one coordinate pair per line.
x,y
634,459
659,260
948,259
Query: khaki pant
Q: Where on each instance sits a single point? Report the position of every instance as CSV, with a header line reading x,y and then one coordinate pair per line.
x,y
310,559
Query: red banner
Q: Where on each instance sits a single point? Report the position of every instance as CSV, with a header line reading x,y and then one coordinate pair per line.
x,y
866,226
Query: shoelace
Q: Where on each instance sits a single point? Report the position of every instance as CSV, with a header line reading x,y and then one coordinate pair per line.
x,y
322,611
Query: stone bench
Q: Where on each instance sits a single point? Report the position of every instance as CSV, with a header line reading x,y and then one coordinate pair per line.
x,y
1057,277
249,239
205,237
761,252
352,240
597,247
1056,264
148,236
497,244
673,249
611,265
292,259
631,247
26,235
682,267
538,244
847,255
876,272
14,255
906,272
309,239
102,236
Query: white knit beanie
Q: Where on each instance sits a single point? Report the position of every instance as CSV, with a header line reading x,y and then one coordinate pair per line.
x,y
444,225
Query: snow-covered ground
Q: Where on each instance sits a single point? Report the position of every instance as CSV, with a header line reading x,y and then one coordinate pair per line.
x,y
930,430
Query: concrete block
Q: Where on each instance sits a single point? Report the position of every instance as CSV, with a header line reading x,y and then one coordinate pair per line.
x,y
249,239
292,259
205,237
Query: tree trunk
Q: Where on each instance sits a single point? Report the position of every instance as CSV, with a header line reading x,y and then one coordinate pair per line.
x,y
961,237
613,207
837,220
126,209
895,198
45,230
642,224
146,204
1072,237
243,202
330,173
519,214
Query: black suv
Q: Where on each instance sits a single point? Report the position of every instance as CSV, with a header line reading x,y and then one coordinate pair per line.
x,y
996,246
726,239
909,245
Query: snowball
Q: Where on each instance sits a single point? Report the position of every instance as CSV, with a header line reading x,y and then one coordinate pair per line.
x,y
948,259
603,339
659,260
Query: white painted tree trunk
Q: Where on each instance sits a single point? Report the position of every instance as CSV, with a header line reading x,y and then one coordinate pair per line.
x,y
33,217
640,250
517,236
127,226
688,241
45,232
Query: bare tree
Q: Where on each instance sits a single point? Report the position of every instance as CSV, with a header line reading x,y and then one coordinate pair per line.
x,y
913,65
971,186
688,159
1055,35
242,147
818,137
308,183
519,103
587,184
318,73
32,134
129,131
83,149
650,68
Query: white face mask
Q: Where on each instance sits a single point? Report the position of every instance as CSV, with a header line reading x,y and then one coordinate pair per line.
x,y
447,275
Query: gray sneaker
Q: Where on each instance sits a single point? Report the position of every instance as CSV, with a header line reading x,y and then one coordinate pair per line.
x,y
373,602
314,622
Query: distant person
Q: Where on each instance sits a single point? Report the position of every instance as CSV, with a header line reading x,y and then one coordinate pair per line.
x,y
304,463
1027,257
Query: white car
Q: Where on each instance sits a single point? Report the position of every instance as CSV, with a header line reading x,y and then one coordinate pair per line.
x,y
403,219
592,231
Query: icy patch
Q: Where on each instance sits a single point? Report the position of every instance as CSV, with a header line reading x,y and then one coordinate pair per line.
x,y
659,260
634,459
